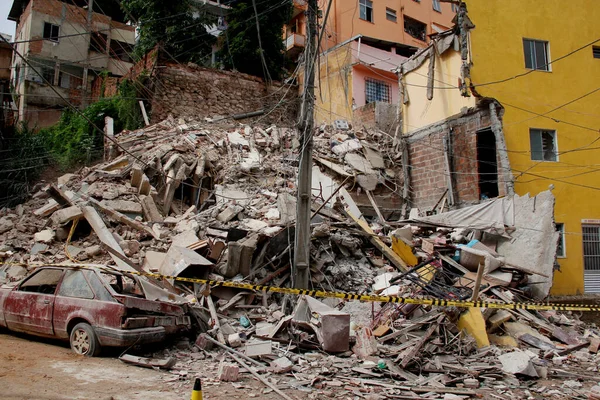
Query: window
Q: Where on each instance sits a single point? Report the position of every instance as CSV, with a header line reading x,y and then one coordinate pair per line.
x,y
596,51
376,90
51,31
75,285
45,281
121,50
437,6
63,80
98,42
366,10
591,248
415,28
543,145
390,15
536,54
560,248
454,7
48,74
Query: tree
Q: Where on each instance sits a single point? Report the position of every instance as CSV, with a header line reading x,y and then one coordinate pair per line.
x,y
240,49
177,25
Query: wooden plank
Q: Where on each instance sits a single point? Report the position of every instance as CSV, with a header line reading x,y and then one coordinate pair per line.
x,y
414,324
105,236
124,219
387,252
58,196
372,200
143,108
410,355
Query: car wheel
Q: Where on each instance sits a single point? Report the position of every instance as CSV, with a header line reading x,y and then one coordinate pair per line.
x,y
84,340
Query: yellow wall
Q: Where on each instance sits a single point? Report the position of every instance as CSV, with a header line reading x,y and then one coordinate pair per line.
x,y
420,112
334,88
497,54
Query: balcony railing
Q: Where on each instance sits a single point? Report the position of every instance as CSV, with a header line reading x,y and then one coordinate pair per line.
x,y
294,40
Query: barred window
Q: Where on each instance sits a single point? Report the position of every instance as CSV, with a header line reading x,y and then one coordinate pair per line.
x,y
376,90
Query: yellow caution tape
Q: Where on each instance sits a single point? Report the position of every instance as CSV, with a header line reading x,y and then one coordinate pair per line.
x,y
347,296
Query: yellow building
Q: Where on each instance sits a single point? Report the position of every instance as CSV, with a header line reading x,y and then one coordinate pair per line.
x,y
540,63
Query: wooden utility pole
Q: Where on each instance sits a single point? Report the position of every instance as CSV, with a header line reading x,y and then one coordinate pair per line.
x,y
305,130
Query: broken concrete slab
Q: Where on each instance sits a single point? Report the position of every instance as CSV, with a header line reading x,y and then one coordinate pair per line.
x,y
153,260
123,206
229,213
359,163
228,372
517,362
64,215
332,326
179,259
184,239
45,236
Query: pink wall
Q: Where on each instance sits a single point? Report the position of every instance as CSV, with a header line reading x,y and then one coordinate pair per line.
x,y
360,73
374,57
371,62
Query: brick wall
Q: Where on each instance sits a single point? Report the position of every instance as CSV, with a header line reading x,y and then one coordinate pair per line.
x,y
377,114
199,92
427,164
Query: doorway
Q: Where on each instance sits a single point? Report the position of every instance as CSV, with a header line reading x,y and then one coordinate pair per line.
x,y
487,164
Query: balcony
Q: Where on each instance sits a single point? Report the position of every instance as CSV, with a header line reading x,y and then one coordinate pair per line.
x,y
300,6
294,45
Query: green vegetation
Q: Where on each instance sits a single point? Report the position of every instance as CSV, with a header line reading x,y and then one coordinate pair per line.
x,y
242,52
179,26
72,141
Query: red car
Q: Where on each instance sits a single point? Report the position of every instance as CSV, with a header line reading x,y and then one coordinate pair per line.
x,y
90,307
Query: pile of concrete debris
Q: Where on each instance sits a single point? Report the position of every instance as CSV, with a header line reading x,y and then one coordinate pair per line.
x,y
216,200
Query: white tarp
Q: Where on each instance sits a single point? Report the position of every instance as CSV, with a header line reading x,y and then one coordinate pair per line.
x,y
530,244
492,216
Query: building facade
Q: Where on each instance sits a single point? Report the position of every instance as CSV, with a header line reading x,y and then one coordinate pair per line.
x,y
65,46
363,42
544,84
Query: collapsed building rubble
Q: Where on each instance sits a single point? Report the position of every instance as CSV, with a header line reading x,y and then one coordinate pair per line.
x,y
216,200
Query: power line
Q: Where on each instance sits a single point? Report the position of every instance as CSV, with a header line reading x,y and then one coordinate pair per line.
x,y
541,67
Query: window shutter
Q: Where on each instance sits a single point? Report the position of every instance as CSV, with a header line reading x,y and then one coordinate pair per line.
x,y
527,49
535,142
540,56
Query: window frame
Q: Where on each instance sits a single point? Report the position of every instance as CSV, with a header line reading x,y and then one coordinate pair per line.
x,y
555,141
36,275
391,12
77,273
366,5
388,90
52,38
560,228
414,22
439,6
547,66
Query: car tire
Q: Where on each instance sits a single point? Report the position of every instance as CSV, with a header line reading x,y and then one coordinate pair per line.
x,y
84,341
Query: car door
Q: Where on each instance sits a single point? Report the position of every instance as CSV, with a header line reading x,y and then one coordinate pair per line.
x,y
82,296
29,306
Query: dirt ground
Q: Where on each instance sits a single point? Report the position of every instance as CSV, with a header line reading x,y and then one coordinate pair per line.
x,y
32,368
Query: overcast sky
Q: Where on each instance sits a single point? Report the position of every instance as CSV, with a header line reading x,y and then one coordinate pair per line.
x,y
6,26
